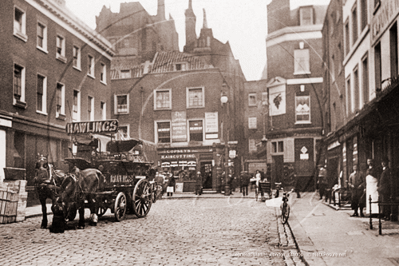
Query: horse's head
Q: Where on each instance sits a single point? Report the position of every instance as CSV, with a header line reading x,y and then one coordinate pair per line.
x,y
42,174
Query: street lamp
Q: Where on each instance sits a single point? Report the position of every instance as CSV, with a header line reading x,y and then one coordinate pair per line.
x,y
224,100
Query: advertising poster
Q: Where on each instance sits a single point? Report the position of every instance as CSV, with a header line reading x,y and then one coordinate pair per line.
x,y
179,126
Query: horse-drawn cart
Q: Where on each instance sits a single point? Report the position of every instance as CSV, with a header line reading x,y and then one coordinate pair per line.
x,y
123,172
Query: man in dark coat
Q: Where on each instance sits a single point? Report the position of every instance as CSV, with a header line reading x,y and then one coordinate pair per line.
x,y
356,185
198,184
244,182
384,185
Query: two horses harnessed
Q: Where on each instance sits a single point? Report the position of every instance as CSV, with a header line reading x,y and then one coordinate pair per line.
x,y
116,179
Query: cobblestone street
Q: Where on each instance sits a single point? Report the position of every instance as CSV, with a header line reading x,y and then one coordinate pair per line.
x,y
223,231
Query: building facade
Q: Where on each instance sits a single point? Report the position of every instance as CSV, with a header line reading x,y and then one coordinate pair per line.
x,y
174,103
295,78
54,70
255,119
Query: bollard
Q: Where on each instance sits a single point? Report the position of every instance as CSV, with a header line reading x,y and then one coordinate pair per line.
x,y
371,220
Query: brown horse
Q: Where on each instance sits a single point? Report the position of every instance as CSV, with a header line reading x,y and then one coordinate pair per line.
x,y
47,182
79,187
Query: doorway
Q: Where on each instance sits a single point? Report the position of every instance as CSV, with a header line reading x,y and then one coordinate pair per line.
x,y
206,173
277,169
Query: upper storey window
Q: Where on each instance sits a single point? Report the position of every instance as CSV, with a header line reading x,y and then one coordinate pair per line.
x,y
306,16
20,24
302,65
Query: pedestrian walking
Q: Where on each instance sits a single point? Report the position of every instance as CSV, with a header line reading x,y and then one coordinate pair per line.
x,y
384,186
323,182
297,186
244,181
356,185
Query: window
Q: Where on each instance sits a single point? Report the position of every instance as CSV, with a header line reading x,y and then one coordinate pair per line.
x,y
163,130
41,94
306,16
195,97
103,74
60,98
90,108
252,146
347,41
363,13
377,62
301,61
180,67
76,57
264,98
348,95
196,130
163,99
60,43
393,45
41,36
19,83
252,123
354,24
302,109
125,74
76,106
277,146
123,132
122,106
103,107
355,90
20,24
252,99
90,66
365,79
339,61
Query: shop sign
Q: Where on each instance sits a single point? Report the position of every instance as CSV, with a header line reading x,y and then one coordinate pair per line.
x,y
183,151
304,154
179,126
385,14
106,126
177,156
5,123
232,154
277,100
211,136
211,122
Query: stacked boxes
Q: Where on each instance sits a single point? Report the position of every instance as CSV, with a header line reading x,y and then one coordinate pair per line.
x,y
12,201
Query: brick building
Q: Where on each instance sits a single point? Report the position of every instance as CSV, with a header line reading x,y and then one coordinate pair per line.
x,y
54,69
174,103
295,78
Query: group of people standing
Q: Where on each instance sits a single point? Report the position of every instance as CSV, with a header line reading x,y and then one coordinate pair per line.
x,y
375,183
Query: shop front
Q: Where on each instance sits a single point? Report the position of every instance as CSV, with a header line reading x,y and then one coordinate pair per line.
x,y
184,163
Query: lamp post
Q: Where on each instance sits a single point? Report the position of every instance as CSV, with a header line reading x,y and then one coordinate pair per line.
x,y
224,102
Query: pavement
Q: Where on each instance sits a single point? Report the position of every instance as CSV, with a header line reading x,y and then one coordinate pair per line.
x,y
326,236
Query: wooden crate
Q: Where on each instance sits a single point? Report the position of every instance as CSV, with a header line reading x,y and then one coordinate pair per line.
x,y
8,206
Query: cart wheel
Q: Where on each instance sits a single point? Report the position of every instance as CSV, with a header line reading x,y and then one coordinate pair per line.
x,y
142,198
120,206
101,211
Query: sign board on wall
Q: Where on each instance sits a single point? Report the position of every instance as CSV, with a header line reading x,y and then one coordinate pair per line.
x,y
277,100
179,126
211,125
252,167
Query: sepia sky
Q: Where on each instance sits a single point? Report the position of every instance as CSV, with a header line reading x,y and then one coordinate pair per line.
x,y
242,23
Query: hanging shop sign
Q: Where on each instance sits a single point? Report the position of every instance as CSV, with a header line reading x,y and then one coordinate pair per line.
x,y
179,126
304,154
105,126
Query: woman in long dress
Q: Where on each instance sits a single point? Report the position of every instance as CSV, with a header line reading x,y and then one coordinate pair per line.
x,y
371,187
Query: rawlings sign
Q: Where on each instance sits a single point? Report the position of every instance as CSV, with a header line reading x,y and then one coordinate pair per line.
x,y
104,126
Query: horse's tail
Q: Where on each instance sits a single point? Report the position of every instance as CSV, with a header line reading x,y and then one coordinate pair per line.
x,y
101,180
